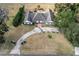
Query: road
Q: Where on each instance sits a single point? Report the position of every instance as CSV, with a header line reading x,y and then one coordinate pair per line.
x,y
16,49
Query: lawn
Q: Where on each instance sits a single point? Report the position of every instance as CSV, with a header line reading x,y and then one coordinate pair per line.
x,y
47,44
13,34
43,43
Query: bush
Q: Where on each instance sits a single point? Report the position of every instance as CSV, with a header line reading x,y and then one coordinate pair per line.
x,y
1,39
50,36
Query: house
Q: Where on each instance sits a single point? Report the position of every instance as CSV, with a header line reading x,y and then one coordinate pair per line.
x,y
37,16
3,15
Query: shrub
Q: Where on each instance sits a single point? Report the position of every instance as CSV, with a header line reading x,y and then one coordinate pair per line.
x,y
50,36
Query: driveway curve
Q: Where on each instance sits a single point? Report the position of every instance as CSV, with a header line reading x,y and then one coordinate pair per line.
x,y
16,49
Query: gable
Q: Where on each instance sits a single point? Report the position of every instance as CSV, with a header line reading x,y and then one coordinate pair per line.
x,y
40,17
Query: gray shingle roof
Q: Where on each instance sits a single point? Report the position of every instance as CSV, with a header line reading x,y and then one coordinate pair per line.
x,y
39,16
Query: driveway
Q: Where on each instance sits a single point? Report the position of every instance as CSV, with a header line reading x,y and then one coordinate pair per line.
x,y
16,49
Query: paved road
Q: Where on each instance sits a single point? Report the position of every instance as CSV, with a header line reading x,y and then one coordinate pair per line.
x,y
16,49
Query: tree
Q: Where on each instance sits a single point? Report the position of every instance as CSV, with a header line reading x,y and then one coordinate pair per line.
x,y
19,18
3,29
3,26
65,19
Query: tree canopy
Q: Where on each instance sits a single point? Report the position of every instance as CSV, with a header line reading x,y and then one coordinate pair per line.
x,y
66,18
3,26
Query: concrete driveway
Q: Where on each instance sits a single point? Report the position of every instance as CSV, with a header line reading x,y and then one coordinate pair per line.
x,y
16,49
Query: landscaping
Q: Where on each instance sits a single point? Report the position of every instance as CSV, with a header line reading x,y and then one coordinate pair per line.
x,y
67,21
60,40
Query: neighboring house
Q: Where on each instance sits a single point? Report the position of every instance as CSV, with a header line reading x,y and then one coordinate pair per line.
x,y
3,15
40,16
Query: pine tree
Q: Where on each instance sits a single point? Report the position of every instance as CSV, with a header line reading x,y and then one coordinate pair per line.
x,y
19,18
